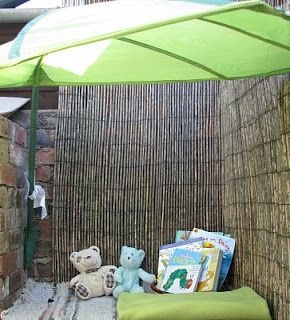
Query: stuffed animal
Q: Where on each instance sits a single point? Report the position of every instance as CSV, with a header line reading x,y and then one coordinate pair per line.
x,y
93,280
128,275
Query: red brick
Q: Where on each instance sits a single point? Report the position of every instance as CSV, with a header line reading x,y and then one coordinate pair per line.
x,y
11,222
45,156
7,175
43,249
45,138
19,214
2,220
45,229
20,178
7,197
44,174
15,238
7,219
16,280
10,219
19,257
18,156
4,150
49,191
4,127
20,198
8,263
21,136
44,271
47,119
42,268
4,242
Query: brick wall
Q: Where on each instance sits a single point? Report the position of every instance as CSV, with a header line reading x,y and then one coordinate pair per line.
x,y
13,163
42,261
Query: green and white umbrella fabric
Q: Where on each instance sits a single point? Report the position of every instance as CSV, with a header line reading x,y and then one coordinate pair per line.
x,y
149,41
130,41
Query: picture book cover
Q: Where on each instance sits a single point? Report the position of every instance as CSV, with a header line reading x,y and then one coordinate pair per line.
x,y
225,244
182,235
184,257
210,269
166,251
181,279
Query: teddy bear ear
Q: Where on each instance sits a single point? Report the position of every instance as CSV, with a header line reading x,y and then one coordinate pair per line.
x,y
95,248
141,254
72,256
124,248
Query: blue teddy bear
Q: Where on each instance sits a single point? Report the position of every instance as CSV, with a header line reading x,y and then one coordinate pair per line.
x,y
127,276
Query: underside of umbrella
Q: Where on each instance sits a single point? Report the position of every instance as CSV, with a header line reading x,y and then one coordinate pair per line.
x,y
11,3
129,41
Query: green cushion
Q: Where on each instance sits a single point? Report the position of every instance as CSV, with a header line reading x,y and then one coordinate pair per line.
x,y
240,304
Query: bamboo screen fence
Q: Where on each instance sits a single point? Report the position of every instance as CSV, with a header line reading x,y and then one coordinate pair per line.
x,y
255,118
133,165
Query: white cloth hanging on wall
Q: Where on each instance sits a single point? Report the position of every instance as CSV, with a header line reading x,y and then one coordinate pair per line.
x,y
38,197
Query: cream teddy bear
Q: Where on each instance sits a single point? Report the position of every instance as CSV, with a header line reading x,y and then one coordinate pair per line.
x,y
93,280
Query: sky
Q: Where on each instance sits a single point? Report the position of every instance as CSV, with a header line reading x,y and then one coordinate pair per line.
x,y
41,4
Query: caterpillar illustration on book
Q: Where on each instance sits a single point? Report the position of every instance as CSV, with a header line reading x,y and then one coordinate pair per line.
x,y
180,274
181,279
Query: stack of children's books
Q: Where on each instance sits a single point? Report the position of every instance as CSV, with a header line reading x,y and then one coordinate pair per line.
x,y
198,261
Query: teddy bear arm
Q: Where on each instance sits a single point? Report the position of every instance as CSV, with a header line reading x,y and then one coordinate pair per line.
x,y
74,281
145,276
109,282
118,275
106,269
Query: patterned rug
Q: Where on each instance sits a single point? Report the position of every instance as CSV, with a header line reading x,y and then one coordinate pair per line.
x,y
65,305
45,301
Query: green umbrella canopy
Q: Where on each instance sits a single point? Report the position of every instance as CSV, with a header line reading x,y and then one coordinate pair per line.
x,y
131,41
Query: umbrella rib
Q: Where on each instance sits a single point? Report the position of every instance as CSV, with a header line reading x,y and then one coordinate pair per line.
x,y
274,43
173,55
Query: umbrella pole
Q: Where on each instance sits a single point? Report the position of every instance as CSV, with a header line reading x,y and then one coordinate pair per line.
x,y
31,233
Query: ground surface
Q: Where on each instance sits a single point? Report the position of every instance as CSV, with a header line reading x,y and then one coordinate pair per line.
x,y
44,301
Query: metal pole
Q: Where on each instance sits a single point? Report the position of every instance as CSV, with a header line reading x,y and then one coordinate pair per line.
x,y
31,232
32,149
